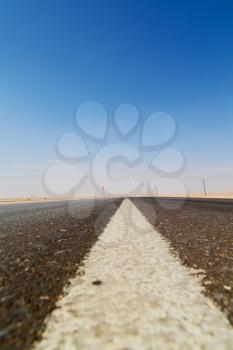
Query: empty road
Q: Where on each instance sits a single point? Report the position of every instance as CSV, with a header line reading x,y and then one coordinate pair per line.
x,y
129,270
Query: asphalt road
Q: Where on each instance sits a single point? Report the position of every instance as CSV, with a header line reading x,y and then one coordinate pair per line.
x,y
174,202
41,247
43,244
33,210
143,298
200,232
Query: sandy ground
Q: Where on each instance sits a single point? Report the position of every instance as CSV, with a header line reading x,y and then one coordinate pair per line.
x,y
41,200
192,195
25,200
213,195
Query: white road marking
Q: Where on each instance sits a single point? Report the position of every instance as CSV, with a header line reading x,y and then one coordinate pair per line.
x,y
147,299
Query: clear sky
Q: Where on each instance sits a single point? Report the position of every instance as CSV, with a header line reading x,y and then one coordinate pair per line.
x,y
169,56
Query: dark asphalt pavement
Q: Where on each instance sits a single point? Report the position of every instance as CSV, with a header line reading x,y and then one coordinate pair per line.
x,y
41,247
33,210
200,232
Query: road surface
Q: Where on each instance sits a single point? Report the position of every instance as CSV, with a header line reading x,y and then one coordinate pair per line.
x,y
141,276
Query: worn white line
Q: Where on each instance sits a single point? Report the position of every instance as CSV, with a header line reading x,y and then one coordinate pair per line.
x,y
147,299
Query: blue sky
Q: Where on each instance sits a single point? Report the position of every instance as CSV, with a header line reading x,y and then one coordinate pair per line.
x,y
170,56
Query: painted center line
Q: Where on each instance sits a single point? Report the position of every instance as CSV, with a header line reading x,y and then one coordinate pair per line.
x,y
141,298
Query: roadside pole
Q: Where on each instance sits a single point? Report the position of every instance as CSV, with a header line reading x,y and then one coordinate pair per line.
x,y
156,191
204,187
103,190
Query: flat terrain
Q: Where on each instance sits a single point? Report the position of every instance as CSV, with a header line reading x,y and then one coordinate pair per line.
x,y
43,246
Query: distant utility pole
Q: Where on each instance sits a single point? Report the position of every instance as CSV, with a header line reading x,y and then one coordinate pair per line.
x,y
156,191
103,191
204,186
